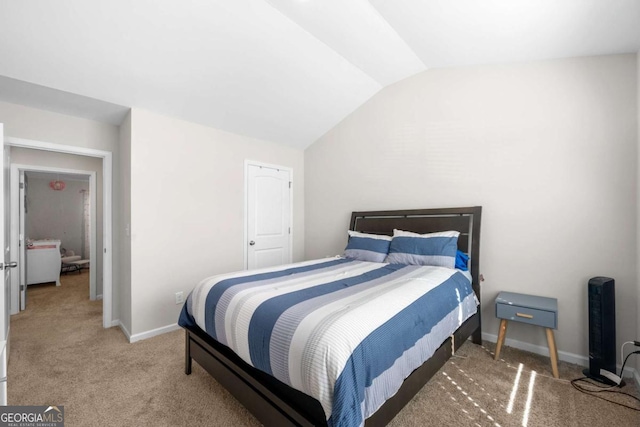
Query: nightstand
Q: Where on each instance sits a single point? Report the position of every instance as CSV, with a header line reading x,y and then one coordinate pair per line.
x,y
534,310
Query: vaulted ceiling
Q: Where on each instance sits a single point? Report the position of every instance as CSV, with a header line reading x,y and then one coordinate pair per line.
x,y
280,70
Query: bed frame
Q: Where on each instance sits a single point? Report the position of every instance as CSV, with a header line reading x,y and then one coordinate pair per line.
x,y
274,403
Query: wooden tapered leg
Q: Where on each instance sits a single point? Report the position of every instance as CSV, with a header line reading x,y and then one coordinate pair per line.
x,y
501,334
553,352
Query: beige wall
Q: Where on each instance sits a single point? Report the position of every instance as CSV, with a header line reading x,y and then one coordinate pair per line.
x,y
124,253
187,208
551,146
549,149
30,123
57,214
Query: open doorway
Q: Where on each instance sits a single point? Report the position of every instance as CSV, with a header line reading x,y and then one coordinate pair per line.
x,y
104,241
57,219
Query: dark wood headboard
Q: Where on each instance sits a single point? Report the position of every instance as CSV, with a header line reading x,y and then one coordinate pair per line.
x,y
464,220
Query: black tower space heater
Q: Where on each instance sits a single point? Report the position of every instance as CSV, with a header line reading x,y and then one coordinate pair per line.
x,y
602,328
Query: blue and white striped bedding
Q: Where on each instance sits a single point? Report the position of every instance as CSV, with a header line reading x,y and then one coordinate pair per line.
x,y
345,332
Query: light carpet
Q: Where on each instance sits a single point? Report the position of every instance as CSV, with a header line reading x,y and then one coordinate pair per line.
x,y
61,355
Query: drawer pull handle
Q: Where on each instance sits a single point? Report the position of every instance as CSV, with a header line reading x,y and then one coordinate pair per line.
x,y
526,316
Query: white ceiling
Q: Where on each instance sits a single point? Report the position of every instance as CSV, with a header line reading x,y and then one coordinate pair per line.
x,y
280,70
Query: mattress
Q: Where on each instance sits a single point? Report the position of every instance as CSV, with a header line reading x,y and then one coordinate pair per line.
x,y
344,332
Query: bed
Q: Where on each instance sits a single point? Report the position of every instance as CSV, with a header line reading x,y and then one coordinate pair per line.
x,y
364,381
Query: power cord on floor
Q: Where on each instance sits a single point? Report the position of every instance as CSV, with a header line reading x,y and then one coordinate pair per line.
x,y
606,389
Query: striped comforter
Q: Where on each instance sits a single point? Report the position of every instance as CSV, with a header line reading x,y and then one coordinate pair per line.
x,y
345,332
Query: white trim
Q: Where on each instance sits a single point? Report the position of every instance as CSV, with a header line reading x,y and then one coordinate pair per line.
x,y
99,297
16,170
58,148
152,333
248,163
245,250
15,230
93,280
107,177
107,241
565,356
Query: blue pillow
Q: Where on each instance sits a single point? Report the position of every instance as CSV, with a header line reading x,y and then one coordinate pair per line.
x,y
367,247
462,260
437,249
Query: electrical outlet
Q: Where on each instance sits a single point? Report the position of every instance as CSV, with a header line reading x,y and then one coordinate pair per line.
x,y
179,297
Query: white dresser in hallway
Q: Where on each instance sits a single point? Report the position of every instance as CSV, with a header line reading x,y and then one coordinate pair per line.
x,y
43,262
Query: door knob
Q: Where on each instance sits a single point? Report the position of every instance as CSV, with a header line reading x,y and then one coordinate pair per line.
x,y
12,264
251,243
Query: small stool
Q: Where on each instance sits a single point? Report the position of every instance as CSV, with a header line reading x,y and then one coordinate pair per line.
x,y
534,310
66,261
76,265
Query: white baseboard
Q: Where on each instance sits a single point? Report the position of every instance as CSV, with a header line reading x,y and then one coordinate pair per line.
x,y
144,335
153,332
562,355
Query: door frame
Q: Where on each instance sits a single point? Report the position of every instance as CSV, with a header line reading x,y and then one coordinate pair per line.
x,y
5,294
107,208
20,169
245,247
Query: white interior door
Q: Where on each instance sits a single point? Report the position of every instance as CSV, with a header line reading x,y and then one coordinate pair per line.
x,y
23,244
5,265
268,216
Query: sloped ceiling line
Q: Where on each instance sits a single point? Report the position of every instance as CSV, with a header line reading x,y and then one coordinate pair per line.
x,y
285,71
